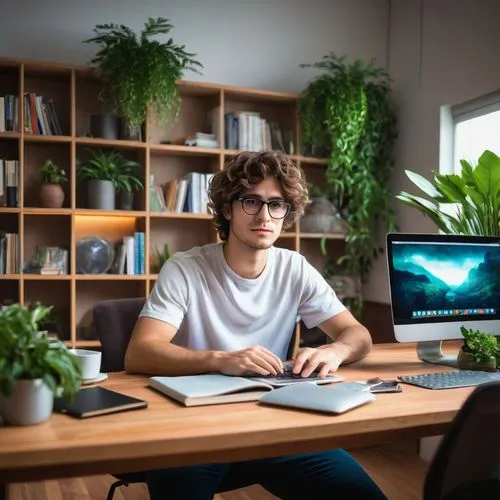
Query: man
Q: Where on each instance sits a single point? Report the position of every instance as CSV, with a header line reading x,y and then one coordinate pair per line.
x,y
232,308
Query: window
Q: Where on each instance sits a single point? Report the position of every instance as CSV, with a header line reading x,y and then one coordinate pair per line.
x,y
467,130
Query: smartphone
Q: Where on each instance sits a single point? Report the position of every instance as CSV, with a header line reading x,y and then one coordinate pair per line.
x,y
387,386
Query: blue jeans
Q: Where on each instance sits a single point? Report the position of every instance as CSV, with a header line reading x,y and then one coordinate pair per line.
x,y
327,474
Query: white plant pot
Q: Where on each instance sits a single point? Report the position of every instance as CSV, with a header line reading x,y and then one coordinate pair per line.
x,y
31,403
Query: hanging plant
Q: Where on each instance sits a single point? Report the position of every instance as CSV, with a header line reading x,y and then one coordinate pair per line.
x,y
347,111
139,72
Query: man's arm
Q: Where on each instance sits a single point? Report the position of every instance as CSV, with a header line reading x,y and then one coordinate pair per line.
x,y
352,342
151,352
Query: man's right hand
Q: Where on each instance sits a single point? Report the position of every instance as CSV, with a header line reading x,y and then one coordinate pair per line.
x,y
252,360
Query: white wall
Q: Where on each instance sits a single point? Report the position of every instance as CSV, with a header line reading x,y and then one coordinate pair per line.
x,y
257,43
441,52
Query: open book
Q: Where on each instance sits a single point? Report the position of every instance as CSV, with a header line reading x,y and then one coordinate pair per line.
x,y
215,388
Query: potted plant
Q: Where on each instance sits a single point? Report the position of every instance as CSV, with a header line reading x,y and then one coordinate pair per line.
x,y
346,110
480,351
51,191
159,258
33,368
127,181
105,171
468,203
139,72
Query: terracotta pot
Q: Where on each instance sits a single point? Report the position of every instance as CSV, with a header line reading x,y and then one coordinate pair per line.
x,y
466,361
51,196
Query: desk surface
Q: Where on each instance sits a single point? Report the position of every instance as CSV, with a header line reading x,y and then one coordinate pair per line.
x,y
167,434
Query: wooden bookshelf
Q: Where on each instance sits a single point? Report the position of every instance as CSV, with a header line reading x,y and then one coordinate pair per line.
x,y
75,93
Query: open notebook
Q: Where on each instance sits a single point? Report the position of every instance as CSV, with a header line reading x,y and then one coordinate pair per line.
x,y
215,388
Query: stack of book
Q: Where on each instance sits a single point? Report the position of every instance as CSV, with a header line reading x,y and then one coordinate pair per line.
x,y
40,116
9,253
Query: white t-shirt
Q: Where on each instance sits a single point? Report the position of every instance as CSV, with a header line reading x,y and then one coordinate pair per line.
x,y
215,309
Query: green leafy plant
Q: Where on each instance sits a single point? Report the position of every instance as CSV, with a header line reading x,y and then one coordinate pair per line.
x,y
27,353
138,71
347,111
159,258
472,198
111,166
482,346
50,173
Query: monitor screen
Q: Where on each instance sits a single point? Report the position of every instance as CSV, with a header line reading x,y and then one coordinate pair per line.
x,y
441,282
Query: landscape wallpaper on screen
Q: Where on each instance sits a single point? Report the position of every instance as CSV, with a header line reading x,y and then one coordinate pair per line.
x,y
443,277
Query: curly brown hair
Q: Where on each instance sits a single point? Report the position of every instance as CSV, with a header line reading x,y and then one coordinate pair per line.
x,y
247,169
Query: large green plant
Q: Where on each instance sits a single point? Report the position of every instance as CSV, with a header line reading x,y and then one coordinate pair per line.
x,y
138,71
27,353
472,198
347,110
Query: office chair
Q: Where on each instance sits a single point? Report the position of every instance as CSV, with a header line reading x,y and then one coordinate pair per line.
x,y
466,465
114,322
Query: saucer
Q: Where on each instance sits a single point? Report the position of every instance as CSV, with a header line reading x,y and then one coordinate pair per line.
x,y
99,378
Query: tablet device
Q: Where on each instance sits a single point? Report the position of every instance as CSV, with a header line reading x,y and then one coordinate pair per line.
x,y
94,401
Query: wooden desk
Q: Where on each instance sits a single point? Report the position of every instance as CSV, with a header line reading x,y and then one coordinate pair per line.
x,y
168,434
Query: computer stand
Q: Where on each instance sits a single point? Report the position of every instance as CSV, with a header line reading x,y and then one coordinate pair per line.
x,y
431,352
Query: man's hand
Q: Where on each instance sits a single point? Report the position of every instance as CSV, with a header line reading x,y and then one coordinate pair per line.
x,y
326,358
256,359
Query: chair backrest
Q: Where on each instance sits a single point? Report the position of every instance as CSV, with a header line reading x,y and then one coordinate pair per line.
x,y
114,322
467,462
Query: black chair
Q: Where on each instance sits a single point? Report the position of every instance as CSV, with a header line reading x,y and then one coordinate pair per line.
x,y
466,465
114,322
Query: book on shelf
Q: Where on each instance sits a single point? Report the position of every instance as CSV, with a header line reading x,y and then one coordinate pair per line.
x,y
9,112
9,253
186,195
40,117
248,130
9,183
216,388
129,255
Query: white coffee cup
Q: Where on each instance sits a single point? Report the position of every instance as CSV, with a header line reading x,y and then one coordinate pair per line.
x,y
90,361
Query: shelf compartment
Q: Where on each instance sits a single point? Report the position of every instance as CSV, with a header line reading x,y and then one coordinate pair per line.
x,y
87,294
198,112
85,153
166,231
46,231
54,85
35,155
112,229
9,289
281,112
56,293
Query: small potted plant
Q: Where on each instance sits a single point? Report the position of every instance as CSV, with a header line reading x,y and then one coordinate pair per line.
x,y
51,191
33,368
105,171
159,258
481,351
127,181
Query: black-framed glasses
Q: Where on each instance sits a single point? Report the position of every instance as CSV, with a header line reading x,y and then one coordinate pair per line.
x,y
278,209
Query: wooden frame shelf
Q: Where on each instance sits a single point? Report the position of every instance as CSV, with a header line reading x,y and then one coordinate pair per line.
x,y
163,156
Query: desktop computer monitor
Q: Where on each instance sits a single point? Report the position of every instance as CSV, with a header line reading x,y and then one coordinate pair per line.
x,y
439,283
